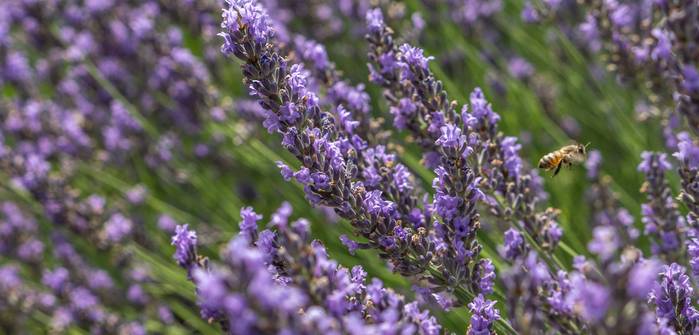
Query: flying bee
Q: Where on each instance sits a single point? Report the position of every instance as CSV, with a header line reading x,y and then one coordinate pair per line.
x,y
566,156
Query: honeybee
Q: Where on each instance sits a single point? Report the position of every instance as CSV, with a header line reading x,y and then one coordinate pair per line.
x,y
566,156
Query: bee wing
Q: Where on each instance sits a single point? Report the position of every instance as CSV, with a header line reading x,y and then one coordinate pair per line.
x,y
579,158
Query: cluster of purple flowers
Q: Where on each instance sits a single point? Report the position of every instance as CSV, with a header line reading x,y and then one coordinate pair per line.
x,y
651,44
604,204
688,156
477,168
102,105
673,300
90,85
71,293
422,106
661,217
537,299
340,169
278,280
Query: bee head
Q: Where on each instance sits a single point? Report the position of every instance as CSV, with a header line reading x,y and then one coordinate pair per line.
x,y
582,149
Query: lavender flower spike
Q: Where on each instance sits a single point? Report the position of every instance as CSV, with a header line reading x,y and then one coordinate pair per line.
x,y
185,242
660,214
457,194
673,299
688,155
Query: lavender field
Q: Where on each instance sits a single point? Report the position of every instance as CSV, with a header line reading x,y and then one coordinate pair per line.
x,y
349,167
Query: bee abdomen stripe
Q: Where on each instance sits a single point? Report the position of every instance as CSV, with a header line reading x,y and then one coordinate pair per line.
x,y
548,160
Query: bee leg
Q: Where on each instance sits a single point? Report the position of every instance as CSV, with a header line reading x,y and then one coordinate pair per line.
x,y
558,168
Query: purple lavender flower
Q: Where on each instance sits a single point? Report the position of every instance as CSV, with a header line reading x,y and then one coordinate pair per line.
x,y
486,272
536,298
520,68
426,323
403,112
136,295
56,279
644,275
374,19
82,299
211,291
117,227
514,244
481,113
185,242
605,242
137,194
689,174
483,316
9,277
688,152
672,297
472,12
248,293
414,59
456,207
451,137
529,13
589,298
433,108
351,245
660,215
652,161
594,160
248,225
167,223
31,250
